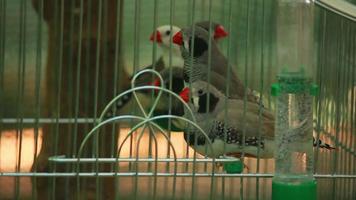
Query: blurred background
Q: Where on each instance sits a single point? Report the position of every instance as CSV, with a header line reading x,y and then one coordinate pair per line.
x,y
62,61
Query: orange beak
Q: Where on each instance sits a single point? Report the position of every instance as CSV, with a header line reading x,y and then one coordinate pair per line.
x,y
178,38
220,32
156,36
184,94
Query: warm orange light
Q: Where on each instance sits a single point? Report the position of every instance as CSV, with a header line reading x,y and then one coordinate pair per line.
x,y
9,150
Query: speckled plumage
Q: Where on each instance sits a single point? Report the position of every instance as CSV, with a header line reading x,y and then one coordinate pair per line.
x,y
242,128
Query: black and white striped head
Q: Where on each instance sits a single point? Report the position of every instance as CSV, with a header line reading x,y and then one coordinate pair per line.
x,y
204,97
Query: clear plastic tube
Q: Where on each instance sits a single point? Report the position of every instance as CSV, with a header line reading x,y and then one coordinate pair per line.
x,y
294,137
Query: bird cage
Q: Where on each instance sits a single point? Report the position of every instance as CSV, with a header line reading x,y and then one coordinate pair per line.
x,y
81,88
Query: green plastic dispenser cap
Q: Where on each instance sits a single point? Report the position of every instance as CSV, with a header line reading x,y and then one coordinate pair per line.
x,y
235,167
295,82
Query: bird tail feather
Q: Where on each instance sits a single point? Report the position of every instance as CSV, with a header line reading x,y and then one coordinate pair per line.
x,y
321,144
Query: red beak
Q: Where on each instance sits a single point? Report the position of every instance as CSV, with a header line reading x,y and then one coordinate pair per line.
x,y
157,83
184,94
156,36
220,32
178,38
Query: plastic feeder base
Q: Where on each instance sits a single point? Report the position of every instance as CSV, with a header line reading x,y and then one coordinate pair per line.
x,y
294,191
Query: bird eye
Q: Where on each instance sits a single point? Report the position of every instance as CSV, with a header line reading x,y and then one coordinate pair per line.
x,y
200,92
168,32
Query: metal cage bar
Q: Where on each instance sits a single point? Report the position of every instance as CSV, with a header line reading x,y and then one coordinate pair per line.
x,y
90,48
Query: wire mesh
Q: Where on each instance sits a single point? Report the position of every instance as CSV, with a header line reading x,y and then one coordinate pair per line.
x,y
62,63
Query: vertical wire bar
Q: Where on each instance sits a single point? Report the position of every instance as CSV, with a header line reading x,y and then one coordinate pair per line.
x,y
69,90
105,94
339,110
203,9
222,11
345,79
353,109
54,101
190,3
103,62
87,30
59,89
102,95
352,136
2,57
228,79
170,84
72,9
321,55
260,119
353,106
88,64
352,102
322,97
168,155
77,89
245,95
189,21
37,93
339,105
135,64
137,156
331,119
189,12
271,55
337,118
136,34
154,44
155,163
96,91
192,21
209,68
117,59
171,18
20,89
208,80
194,167
329,105
346,108
154,60
251,53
